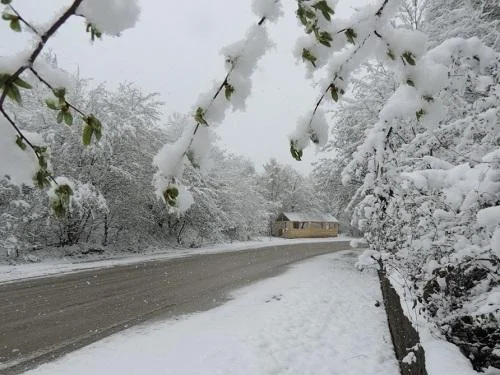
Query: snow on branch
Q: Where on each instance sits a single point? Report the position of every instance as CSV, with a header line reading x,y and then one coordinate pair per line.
x,y
344,46
241,59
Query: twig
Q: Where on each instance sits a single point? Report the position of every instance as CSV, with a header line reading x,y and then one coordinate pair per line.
x,y
23,20
37,75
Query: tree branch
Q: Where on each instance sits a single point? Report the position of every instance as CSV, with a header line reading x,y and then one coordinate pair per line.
x,y
23,20
36,52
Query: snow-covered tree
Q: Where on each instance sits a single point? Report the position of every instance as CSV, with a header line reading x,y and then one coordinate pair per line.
x,y
286,189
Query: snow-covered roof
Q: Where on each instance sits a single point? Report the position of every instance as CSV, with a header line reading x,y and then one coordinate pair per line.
x,y
302,216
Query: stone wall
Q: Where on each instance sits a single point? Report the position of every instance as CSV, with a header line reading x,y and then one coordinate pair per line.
x,y
405,338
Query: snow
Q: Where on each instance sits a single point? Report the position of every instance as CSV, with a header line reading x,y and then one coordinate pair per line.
x,y
489,217
271,9
441,356
317,318
111,16
311,127
19,165
56,77
11,273
9,64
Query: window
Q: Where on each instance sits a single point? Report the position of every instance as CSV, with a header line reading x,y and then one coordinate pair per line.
x,y
296,225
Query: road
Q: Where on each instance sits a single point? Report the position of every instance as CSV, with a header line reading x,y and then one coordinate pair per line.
x,y
42,319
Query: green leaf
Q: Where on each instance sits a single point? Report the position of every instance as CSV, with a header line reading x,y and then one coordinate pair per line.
x,y
58,208
305,14
60,117
13,93
409,82
94,31
170,194
6,2
307,55
15,25
351,36
295,151
41,178
21,83
20,143
40,149
419,114
68,117
40,152
409,57
9,17
428,98
228,91
324,8
334,92
324,38
62,200
391,54
52,104
3,78
87,135
199,116
59,92
93,128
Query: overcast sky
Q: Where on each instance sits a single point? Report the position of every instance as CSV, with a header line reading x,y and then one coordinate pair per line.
x,y
174,50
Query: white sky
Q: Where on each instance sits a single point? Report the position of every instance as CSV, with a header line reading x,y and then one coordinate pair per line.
x,y
174,50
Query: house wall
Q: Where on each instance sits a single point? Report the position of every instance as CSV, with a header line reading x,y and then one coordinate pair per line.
x,y
285,229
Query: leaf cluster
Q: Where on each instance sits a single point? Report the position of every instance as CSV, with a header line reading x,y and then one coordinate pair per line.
x,y
93,127
14,20
170,194
295,150
60,204
199,115
61,105
308,18
94,31
11,87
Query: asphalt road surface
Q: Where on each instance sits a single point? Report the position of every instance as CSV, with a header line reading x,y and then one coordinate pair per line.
x,y
42,319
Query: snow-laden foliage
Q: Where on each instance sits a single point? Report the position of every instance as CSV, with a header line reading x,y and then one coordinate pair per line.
x,y
286,190
191,148
110,17
423,147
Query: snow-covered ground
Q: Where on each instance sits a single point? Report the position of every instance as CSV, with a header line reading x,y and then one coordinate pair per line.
x,y
9,273
317,318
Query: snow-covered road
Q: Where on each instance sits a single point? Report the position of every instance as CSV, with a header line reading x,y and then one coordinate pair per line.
x,y
318,318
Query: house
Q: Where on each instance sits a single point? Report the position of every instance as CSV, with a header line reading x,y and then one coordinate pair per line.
x,y
299,225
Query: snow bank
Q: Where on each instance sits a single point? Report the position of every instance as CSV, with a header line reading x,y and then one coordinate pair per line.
x,y
10,273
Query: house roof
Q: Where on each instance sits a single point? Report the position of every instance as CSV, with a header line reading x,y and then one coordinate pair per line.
x,y
302,216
